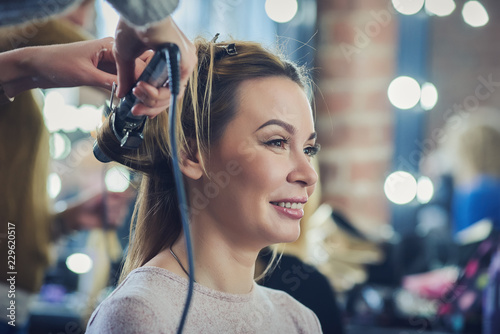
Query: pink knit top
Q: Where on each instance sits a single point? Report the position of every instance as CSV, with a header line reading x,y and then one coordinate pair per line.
x,y
151,300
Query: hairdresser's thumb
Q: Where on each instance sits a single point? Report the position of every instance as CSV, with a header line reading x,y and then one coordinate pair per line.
x,y
126,77
104,79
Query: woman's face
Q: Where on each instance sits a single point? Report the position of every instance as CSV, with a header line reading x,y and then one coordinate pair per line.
x,y
260,172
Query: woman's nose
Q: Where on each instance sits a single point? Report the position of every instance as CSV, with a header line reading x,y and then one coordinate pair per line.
x,y
303,172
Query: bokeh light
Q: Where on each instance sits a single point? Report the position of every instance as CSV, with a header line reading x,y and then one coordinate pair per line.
x,y
440,7
408,7
404,92
60,115
400,187
54,185
281,11
425,189
79,263
117,179
428,96
475,14
60,145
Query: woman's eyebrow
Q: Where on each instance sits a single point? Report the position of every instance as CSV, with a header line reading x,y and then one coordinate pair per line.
x,y
288,127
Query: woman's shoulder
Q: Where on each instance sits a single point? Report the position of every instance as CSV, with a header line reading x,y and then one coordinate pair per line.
x,y
134,306
279,298
148,282
281,304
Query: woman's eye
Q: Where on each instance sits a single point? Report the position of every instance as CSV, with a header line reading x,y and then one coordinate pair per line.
x,y
312,150
280,143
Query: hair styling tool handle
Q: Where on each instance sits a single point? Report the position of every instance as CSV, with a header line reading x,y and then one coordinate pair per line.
x,y
128,128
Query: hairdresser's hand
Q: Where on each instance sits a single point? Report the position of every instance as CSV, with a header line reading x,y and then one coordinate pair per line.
x,y
154,100
133,41
88,63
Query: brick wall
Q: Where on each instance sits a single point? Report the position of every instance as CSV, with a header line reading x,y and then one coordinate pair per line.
x,y
355,63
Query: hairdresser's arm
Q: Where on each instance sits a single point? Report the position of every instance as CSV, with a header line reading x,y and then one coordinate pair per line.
x,y
131,41
138,12
88,63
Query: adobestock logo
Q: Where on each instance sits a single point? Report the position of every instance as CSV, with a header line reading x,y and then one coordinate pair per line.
x,y
222,7
80,151
219,180
364,35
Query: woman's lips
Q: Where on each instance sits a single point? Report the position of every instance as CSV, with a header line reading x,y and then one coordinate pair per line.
x,y
293,210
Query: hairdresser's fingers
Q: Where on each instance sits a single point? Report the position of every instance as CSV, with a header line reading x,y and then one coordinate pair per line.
x,y
129,78
141,109
104,58
141,62
152,97
149,91
146,56
100,78
168,31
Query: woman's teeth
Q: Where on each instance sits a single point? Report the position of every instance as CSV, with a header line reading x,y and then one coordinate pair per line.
x,y
289,205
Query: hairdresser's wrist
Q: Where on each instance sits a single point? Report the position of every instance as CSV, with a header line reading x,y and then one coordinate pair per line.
x,y
22,70
131,41
18,71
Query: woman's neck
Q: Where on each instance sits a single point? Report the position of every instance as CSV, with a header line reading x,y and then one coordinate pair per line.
x,y
219,264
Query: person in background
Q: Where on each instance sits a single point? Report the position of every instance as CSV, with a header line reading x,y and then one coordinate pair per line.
x,y
467,159
477,187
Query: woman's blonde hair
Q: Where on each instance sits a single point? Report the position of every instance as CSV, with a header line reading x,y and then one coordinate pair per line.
x,y
209,103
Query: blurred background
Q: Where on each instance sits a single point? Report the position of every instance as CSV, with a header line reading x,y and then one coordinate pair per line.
x,y
407,101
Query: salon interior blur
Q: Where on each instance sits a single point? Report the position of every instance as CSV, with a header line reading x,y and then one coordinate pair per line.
x,y
405,217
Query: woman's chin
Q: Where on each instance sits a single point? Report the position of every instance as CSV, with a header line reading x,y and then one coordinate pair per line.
x,y
286,236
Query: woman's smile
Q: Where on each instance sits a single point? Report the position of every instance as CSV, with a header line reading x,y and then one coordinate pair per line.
x,y
291,207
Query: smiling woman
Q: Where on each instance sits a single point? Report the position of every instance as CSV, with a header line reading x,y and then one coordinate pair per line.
x,y
247,139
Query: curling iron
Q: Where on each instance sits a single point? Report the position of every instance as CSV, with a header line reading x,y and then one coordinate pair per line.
x,y
162,69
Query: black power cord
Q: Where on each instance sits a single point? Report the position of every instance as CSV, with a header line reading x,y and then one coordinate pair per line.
x,y
181,192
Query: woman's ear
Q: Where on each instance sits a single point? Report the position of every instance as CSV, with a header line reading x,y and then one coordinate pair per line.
x,y
191,163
